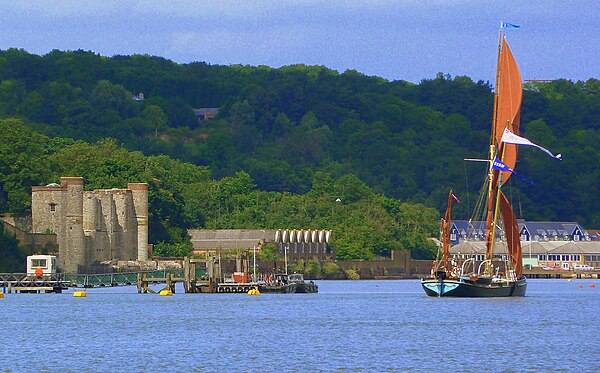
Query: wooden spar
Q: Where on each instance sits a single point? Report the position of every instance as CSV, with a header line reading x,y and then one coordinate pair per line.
x,y
491,222
495,220
507,103
445,225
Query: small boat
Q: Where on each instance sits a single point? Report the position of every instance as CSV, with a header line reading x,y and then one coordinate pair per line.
x,y
494,275
284,283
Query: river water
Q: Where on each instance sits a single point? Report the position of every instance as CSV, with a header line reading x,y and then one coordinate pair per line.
x,y
365,326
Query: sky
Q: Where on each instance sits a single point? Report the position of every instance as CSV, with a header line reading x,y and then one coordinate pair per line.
x,y
398,40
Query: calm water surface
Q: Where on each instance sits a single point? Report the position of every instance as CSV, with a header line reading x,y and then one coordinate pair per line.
x,y
368,326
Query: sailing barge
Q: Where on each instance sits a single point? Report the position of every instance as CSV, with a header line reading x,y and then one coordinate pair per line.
x,y
494,276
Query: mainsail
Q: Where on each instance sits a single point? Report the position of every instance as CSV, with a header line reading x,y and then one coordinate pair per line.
x,y
507,108
509,93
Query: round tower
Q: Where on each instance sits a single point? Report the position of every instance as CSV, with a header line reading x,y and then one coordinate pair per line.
x,y
140,205
73,254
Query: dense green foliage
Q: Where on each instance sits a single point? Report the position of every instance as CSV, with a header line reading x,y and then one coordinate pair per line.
x,y
13,258
286,145
182,196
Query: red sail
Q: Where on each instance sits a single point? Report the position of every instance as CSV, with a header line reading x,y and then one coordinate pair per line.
x,y
509,93
513,238
446,231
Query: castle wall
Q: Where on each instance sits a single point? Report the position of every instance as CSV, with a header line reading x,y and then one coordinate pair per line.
x,y
111,225
125,232
92,226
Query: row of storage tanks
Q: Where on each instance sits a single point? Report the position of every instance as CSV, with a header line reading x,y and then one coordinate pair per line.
x,y
302,236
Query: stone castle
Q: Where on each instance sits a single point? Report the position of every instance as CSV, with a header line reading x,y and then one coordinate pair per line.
x,y
92,227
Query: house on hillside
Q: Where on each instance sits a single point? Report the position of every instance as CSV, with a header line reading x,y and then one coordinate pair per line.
x,y
206,113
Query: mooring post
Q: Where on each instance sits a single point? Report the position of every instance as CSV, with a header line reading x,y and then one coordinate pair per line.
x,y
186,274
170,284
140,285
193,278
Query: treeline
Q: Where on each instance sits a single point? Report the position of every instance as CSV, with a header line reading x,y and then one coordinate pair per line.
x,y
285,128
183,196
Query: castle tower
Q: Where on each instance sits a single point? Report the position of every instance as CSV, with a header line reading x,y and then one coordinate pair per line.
x,y
140,205
72,253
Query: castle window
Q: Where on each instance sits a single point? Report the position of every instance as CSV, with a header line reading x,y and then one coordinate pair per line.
x,y
53,207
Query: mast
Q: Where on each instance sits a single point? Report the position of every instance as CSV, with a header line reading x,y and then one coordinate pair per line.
x,y
507,106
492,205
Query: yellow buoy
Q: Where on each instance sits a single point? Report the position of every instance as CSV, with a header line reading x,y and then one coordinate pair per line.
x,y
253,291
165,293
569,280
80,294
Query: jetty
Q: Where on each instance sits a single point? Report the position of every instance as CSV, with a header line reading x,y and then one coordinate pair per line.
x,y
197,276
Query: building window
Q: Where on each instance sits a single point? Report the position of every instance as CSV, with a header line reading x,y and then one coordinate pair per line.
x,y
53,207
39,263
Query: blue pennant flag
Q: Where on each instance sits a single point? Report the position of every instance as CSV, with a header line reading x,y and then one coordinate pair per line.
x,y
511,26
499,165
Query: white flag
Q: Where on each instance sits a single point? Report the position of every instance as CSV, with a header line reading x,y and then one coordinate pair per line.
x,y
510,138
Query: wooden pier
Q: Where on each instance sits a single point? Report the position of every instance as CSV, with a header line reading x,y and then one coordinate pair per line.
x,y
24,283
196,276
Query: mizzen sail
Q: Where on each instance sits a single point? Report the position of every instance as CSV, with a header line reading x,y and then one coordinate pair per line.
x,y
445,226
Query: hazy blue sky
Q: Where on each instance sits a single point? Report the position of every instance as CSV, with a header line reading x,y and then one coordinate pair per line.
x,y
402,39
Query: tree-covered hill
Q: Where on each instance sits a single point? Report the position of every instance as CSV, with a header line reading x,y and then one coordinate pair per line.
x,y
284,127
183,196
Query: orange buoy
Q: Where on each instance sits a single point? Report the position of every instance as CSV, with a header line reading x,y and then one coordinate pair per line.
x,y
1,295
579,286
592,285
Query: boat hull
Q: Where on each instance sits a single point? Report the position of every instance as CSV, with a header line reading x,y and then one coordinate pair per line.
x,y
290,288
466,288
278,288
307,288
